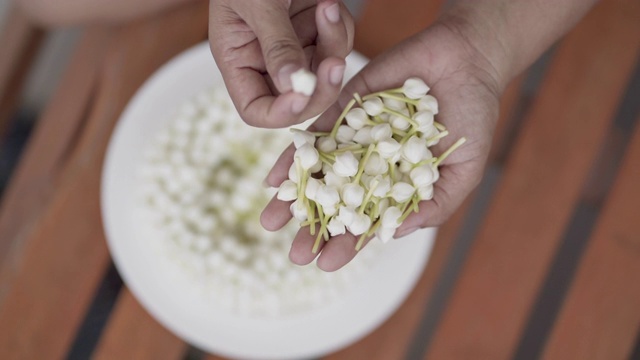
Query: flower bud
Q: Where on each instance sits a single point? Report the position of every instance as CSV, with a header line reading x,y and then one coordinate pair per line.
x,y
383,187
303,82
356,118
398,122
383,205
288,191
361,223
326,144
352,195
373,106
311,190
301,137
414,150
390,217
346,215
430,135
346,164
298,210
388,148
424,175
293,173
428,102
405,166
414,88
425,192
394,104
424,119
363,136
345,134
316,168
336,227
331,179
327,196
402,192
307,155
381,132
385,234
376,165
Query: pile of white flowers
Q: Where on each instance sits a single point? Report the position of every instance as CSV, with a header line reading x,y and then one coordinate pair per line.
x,y
369,173
201,187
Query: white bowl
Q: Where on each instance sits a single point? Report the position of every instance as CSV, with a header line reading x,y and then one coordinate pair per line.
x,y
173,298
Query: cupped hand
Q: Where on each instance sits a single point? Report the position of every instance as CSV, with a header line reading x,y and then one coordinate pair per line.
x,y
258,44
468,92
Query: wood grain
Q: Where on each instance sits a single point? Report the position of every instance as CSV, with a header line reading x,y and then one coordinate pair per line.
x,y
600,317
66,255
20,40
131,333
541,184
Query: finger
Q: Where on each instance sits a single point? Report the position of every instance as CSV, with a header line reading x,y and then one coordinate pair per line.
x,y
332,32
280,45
330,73
275,215
338,252
301,252
280,170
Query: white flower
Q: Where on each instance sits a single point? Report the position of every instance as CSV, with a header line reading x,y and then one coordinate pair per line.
x,y
388,148
301,137
308,156
390,217
383,205
430,134
424,175
405,166
331,179
303,82
399,122
346,215
357,118
381,132
311,190
352,194
335,227
383,186
326,144
298,210
401,192
376,165
346,164
394,104
414,150
424,119
428,102
327,197
361,224
293,173
385,234
414,88
288,191
316,168
425,192
345,134
373,106
363,136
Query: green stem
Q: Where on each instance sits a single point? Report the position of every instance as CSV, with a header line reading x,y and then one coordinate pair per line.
x,y
397,113
439,126
316,244
363,162
450,150
366,199
334,131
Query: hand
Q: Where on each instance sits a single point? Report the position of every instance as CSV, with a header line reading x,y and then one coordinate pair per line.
x,y
467,88
259,44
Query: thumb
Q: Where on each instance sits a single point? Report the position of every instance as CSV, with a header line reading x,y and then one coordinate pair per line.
x,y
281,49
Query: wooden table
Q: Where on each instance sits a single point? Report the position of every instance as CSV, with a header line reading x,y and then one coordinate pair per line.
x,y
527,279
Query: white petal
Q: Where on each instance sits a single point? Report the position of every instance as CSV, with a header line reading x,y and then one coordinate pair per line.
x,y
346,164
428,102
301,137
381,132
345,134
373,106
356,118
303,82
415,88
352,195
288,191
390,217
326,144
307,155
361,224
363,136
336,227
401,192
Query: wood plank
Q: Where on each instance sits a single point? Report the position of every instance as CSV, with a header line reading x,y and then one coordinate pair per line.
x,y
66,255
393,338
600,317
384,23
33,182
541,184
132,333
20,41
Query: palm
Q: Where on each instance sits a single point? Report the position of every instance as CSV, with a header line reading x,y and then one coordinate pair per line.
x,y
468,108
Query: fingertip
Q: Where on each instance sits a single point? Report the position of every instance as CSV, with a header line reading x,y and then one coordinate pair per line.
x,y
337,253
301,248
275,215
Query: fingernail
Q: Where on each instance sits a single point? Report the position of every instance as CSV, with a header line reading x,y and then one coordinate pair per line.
x,y
284,77
336,74
333,13
298,104
405,232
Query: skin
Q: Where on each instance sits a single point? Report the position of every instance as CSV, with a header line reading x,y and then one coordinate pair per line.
x,y
467,57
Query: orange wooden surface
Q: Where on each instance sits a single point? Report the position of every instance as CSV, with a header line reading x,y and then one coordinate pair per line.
x,y
543,178
601,313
